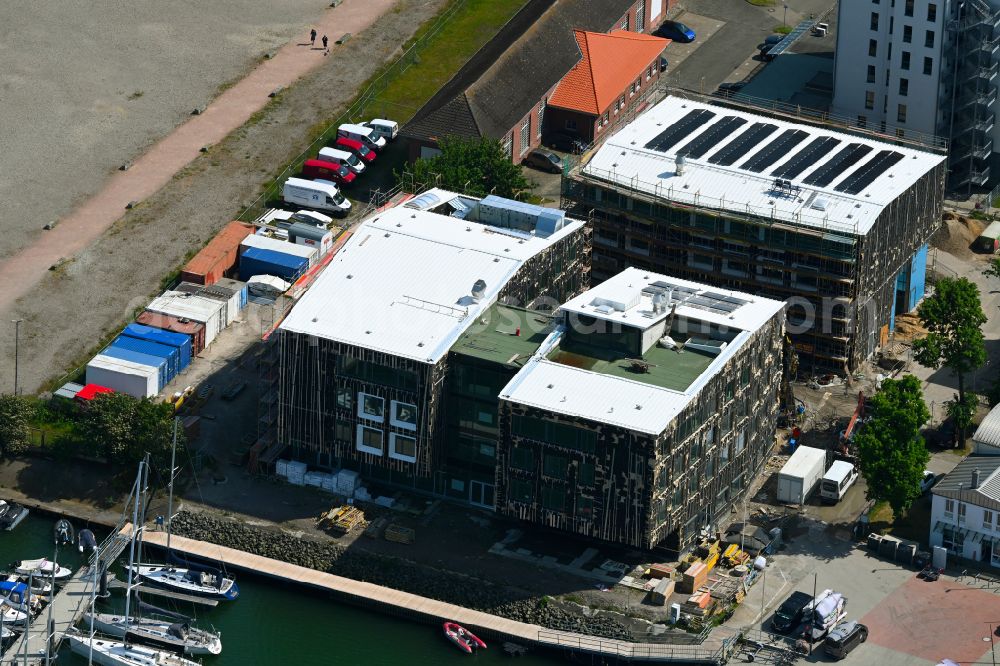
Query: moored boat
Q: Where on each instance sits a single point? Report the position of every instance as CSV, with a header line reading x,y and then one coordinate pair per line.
x,y
43,567
188,581
464,640
11,515
177,637
114,653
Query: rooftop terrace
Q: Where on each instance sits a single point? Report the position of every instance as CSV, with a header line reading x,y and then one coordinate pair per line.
x,y
494,336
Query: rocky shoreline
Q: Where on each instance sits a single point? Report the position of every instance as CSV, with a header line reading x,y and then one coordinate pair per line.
x,y
397,573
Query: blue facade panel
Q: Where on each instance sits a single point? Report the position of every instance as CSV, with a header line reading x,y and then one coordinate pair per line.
x,y
918,277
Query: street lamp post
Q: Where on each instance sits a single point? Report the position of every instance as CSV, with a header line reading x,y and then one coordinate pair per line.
x,y
17,340
784,17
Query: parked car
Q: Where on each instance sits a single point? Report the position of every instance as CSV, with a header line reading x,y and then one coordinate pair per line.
x,y
844,638
338,173
765,52
544,161
676,31
791,613
771,40
356,147
927,482
567,143
388,129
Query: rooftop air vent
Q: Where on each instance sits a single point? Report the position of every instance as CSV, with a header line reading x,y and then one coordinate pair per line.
x,y
679,165
478,290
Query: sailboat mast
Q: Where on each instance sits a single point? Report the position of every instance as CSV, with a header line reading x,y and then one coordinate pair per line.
x,y
170,488
131,552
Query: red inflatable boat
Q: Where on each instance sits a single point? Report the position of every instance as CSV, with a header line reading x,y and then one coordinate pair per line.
x,y
465,640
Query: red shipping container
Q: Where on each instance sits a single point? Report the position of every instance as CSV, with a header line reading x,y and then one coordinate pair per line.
x,y
171,323
219,256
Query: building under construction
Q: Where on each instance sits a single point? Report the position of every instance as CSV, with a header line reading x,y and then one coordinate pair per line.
x,y
644,414
835,224
445,295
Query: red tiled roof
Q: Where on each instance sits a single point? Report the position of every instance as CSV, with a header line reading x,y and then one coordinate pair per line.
x,y
610,63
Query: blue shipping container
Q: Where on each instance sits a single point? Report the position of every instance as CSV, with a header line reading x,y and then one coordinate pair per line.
x,y
142,359
179,340
170,354
259,261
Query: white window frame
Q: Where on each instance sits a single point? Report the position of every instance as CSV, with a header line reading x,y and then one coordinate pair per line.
x,y
359,439
640,16
541,115
361,407
401,424
987,519
949,508
399,456
961,513
526,134
508,145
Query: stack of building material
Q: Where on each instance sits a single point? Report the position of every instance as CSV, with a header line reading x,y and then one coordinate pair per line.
x,y
694,577
281,468
315,479
329,483
296,473
660,571
180,341
135,379
400,534
347,482
260,255
218,257
664,588
193,329
192,308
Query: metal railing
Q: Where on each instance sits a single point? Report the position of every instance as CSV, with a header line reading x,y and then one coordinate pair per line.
x,y
631,651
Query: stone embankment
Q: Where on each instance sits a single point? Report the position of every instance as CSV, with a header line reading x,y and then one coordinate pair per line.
x,y
396,573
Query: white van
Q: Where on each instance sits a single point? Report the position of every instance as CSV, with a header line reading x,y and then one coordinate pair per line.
x,y
318,194
836,481
336,156
365,135
388,129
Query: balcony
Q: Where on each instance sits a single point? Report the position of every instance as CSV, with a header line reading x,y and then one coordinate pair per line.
x,y
970,177
975,150
983,99
984,73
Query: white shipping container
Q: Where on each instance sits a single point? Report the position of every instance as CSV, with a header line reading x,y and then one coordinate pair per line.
x,y
281,468
283,247
801,474
134,379
203,310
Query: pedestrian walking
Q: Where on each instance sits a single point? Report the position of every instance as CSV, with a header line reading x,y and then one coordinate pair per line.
x,y
325,40
312,37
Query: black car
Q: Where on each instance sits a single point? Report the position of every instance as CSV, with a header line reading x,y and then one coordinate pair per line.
x,y
791,613
544,161
844,638
564,142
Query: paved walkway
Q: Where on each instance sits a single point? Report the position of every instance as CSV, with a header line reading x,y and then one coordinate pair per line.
x,y
155,168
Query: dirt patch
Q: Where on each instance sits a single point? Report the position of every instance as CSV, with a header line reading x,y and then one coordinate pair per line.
x,y
956,235
908,327
67,313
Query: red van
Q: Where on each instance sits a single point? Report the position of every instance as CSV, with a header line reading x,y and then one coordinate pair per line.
x,y
356,147
337,173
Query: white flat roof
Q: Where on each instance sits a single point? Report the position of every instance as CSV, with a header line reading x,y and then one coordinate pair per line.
x,y
634,288
631,159
803,460
402,284
619,401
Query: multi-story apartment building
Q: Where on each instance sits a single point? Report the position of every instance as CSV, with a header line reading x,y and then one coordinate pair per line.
x,y
836,224
420,306
919,67
965,510
645,413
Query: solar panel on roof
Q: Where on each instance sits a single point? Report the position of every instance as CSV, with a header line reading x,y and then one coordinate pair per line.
x,y
806,157
775,150
847,157
708,139
669,137
742,144
867,173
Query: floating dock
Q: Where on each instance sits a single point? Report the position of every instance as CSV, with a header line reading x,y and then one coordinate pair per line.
x,y
713,651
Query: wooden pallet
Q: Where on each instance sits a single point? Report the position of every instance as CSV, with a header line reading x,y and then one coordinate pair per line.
x,y
400,534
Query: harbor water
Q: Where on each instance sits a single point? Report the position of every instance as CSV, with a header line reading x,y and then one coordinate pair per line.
x,y
275,623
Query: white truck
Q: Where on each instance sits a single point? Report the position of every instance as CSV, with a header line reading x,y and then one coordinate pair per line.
x,y
801,474
318,194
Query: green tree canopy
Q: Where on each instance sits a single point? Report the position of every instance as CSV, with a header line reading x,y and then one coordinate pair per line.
x,y
891,451
953,317
15,419
123,429
475,167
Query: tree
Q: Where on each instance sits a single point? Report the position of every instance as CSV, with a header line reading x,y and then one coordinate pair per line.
x,y
891,451
993,269
15,420
123,429
475,167
953,317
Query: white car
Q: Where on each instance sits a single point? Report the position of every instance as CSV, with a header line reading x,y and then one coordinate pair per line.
x,y
928,481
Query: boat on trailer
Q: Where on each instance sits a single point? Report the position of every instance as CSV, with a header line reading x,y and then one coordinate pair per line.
x,y
464,640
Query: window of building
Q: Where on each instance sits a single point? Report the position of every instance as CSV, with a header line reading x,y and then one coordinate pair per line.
x,y
932,12
554,466
584,507
525,134
541,116
871,73
586,476
522,491
649,72
869,99
570,124
928,65
904,87
888,52
907,34
621,101
908,8
874,21
404,415
929,39
953,540
371,407
900,132
732,267
402,447
862,121
522,457
508,145
605,117
949,508
891,23
961,513
741,442
343,431
640,15
369,440
704,261
901,114
624,23
631,90
553,498
904,60
987,519
872,48
345,397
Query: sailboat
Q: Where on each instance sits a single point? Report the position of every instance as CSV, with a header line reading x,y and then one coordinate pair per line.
x,y
177,637
107,652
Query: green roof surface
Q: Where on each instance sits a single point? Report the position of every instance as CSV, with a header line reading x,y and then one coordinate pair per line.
x,y
493,337
666,368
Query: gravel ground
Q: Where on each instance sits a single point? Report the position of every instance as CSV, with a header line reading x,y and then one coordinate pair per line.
x,y
88,86
67,313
